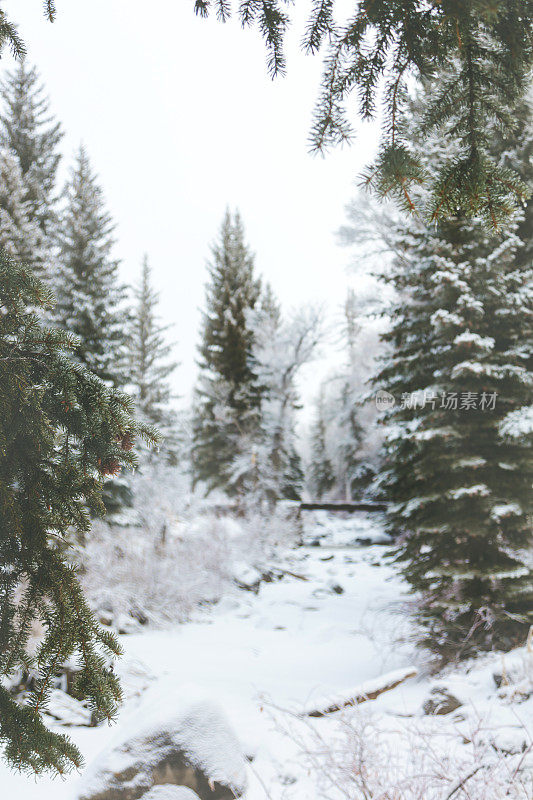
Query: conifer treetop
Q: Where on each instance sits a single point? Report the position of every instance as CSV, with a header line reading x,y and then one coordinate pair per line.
x,y
29,137
228,394
29,128
150,364
89,293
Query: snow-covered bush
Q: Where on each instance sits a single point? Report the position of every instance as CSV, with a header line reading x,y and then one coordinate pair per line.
x,y
181,552
365,755
127,571
464,735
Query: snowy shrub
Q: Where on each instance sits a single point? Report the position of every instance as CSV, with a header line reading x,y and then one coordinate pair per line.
x,y
127,571
367,756
162,497
181,554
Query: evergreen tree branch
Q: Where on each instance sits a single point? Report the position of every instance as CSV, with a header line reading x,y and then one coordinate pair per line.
x,y
478,53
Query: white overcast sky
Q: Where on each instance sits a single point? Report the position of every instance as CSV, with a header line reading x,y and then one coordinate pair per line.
x,y
180,120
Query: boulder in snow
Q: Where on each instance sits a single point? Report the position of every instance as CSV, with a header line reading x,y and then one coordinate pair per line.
x,y
69,711
194,748
247,577
510,741
125,623
441,701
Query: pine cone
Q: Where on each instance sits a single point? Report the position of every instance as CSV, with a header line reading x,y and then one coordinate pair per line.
x,y
109,466
126,442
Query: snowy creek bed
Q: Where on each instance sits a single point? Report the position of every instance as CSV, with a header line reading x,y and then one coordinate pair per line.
x,y
260,659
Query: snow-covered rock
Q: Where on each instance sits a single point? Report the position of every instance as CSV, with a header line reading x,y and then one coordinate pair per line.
x,y
169,792
193,747
67,710
125,623
246,576
441,701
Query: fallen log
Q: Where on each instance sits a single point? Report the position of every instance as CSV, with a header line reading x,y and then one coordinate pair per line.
x,y
343,507
367,691
296,575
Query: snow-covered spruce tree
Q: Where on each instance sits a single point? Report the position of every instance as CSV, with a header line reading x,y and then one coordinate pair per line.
x,y
90,297
281,348
321,472
227,398
346,435
349,428
149,366
20,235
62,430
461,347
29,130
480,54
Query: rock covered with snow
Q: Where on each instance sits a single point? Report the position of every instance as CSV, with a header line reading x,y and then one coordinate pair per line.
x,y
169,792
441,702
246,576
192,747
68,711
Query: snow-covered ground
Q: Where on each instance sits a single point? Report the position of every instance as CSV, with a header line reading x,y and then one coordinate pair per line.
x,y
333,622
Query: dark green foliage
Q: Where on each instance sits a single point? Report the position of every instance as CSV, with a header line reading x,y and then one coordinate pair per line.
x,y
460,477
149,366
293,478
479,52
227,397
62,432
9,34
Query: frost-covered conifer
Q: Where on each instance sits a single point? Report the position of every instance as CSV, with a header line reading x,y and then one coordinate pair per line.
x,y
20,235
347,417
149,366
321,472
460,369
227,400
350,439
282,347
29,130
90,297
